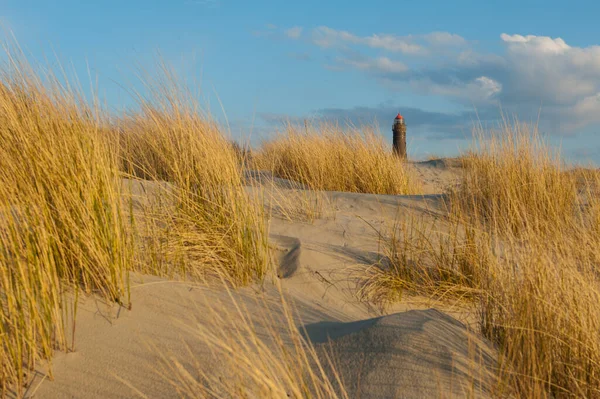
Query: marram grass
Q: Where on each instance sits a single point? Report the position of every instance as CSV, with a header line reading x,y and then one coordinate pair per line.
x,y
61,225
327,157
522,235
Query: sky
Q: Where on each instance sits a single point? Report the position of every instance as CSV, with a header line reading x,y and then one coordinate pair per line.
x,y
445,65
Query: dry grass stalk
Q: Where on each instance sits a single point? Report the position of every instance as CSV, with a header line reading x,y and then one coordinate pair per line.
x,y
326,157
428,257
512,180
261,355
64,227
536,260
61,224
207,216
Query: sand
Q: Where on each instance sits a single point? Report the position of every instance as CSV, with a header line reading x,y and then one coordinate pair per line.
x,y
414,349
413,354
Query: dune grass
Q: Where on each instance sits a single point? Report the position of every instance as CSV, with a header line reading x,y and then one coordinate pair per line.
x,y
521,241
515,182
67,223
327,157
528,232
541,295
540,307
206,224
61,226
422,256
299,205
260,353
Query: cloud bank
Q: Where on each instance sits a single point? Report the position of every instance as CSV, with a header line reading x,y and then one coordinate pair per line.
x,y
528,74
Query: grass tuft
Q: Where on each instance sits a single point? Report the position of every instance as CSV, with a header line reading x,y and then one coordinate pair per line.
x,y
206,223
326,157
61,225
521,244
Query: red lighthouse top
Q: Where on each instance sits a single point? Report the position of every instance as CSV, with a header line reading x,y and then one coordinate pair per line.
x,y
399,116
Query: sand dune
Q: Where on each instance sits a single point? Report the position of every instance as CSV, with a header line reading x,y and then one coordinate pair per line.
x,y
413,351
414,354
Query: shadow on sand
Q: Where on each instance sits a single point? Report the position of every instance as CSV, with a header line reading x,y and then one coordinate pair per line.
x,y
414,354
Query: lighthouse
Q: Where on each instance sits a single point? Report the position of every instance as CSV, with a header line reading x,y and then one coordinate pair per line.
x,y
399,130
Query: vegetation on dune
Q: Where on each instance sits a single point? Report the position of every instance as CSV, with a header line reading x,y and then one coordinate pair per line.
x,y
520,241
437,258
516,183
522,236
207,224
61,225
540,301
326,157
285,365
67,224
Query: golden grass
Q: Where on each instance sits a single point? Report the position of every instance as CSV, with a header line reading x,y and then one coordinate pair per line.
x,y
326,157
299,205
68,225
206,223
438,258
534,248
540,301
514,181
541,307
61,225
260,354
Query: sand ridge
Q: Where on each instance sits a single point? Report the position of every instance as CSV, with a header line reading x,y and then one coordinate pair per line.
x,y
409,351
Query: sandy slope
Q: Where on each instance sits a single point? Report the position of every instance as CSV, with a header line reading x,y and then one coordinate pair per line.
x,y
418,353
412,352
438,174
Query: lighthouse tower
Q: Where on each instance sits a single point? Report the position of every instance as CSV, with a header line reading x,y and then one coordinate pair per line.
x,y
399,130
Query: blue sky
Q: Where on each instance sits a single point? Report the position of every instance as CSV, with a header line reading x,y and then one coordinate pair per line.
x,y
260,62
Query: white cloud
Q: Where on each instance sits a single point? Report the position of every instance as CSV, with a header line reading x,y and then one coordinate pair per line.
x,y
326,37
583,113
537,44
488,87
445,39
480,91
546,72
391,43
549,70
380,64
294,33
531,71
